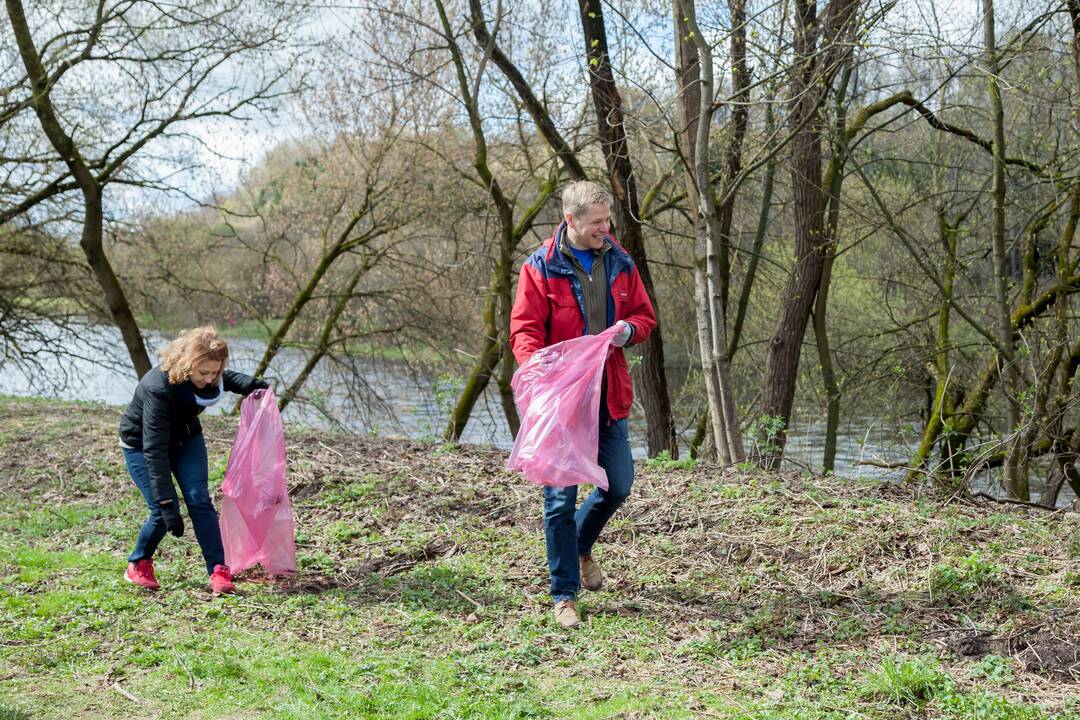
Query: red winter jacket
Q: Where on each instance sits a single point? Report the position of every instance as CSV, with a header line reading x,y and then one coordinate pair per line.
x,y
550,308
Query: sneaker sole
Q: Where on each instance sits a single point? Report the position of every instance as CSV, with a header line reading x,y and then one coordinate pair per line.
x,y
140,585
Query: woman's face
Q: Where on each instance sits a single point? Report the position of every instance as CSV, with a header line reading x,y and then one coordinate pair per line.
x,y
205,372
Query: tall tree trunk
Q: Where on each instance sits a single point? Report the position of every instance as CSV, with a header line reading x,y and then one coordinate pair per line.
x,y
765,208
740,114
650,373
498,303
821,335
785,345
688,79
92,191
834,181
813,70
708,268
1015,481
506,391
1066,445
1067,450
828,373
760,233
482,369
942,406
497,309
115,298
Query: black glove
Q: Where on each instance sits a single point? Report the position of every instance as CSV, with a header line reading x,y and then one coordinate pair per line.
x,y
258,384
170,513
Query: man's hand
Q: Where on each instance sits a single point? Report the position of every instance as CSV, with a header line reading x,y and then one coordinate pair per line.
x,y
170,513
626,331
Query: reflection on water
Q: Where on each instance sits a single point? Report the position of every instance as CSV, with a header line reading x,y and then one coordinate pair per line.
x,y
391,398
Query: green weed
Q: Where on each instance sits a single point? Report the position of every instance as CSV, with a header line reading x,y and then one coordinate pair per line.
x,y
901,681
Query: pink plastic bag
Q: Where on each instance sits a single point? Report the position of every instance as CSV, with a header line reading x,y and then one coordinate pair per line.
x,y
557,392
256,515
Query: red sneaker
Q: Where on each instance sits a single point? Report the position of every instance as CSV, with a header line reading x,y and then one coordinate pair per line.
x,y
141,573
221,581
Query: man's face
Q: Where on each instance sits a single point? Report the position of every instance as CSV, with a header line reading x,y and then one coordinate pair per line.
x,y
587,231
206,371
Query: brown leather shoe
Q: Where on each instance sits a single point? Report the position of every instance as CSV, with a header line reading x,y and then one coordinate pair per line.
x,y
566,614
591,576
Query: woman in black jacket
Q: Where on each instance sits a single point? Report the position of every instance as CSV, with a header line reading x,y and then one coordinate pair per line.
x,y
162,437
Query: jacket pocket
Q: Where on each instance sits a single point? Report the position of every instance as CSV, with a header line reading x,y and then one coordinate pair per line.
x,y
566,320
622,299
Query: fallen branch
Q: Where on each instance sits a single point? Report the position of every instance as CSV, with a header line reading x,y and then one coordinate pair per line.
x,y
116,686
897,465
1011,501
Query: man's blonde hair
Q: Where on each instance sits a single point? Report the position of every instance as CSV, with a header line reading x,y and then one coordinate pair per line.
x,y
579,196
180,357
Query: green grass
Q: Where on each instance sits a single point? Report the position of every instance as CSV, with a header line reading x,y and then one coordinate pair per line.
x,y
422,594
908,682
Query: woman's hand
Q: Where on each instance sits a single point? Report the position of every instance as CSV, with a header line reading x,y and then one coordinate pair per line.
x,y
170,513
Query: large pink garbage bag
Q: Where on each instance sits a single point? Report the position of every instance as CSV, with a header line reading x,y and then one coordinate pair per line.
x,y
256,515
557,392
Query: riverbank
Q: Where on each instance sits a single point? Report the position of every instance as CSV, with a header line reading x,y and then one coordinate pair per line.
x,y
422,593
371,396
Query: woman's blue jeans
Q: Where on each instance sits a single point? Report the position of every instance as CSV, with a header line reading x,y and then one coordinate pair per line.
x,y
571,533
189,467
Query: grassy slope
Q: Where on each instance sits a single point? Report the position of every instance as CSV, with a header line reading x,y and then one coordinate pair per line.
x,y
422,593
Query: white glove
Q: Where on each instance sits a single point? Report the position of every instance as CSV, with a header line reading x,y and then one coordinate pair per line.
x,y
626,331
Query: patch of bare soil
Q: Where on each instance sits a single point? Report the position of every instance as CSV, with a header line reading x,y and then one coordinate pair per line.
x,y
1043,652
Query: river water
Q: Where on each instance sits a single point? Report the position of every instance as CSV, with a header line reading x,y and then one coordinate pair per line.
x,y
386,397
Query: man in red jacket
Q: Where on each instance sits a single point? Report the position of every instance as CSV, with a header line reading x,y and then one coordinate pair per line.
x,y
581,282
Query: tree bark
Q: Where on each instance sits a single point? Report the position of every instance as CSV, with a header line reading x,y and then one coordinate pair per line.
x,y
92,191
740,114
834,181
814,68
498,303
651,375
708,268
941,407
1015,481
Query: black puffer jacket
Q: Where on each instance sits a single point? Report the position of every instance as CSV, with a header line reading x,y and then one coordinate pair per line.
x,y
161,418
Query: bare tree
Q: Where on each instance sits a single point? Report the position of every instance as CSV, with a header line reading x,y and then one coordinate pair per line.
x,y
820,46
710,288
1016,482
607,104
499,296
168,67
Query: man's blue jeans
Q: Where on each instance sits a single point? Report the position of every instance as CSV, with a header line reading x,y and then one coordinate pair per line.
x,y
570,534
189,466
